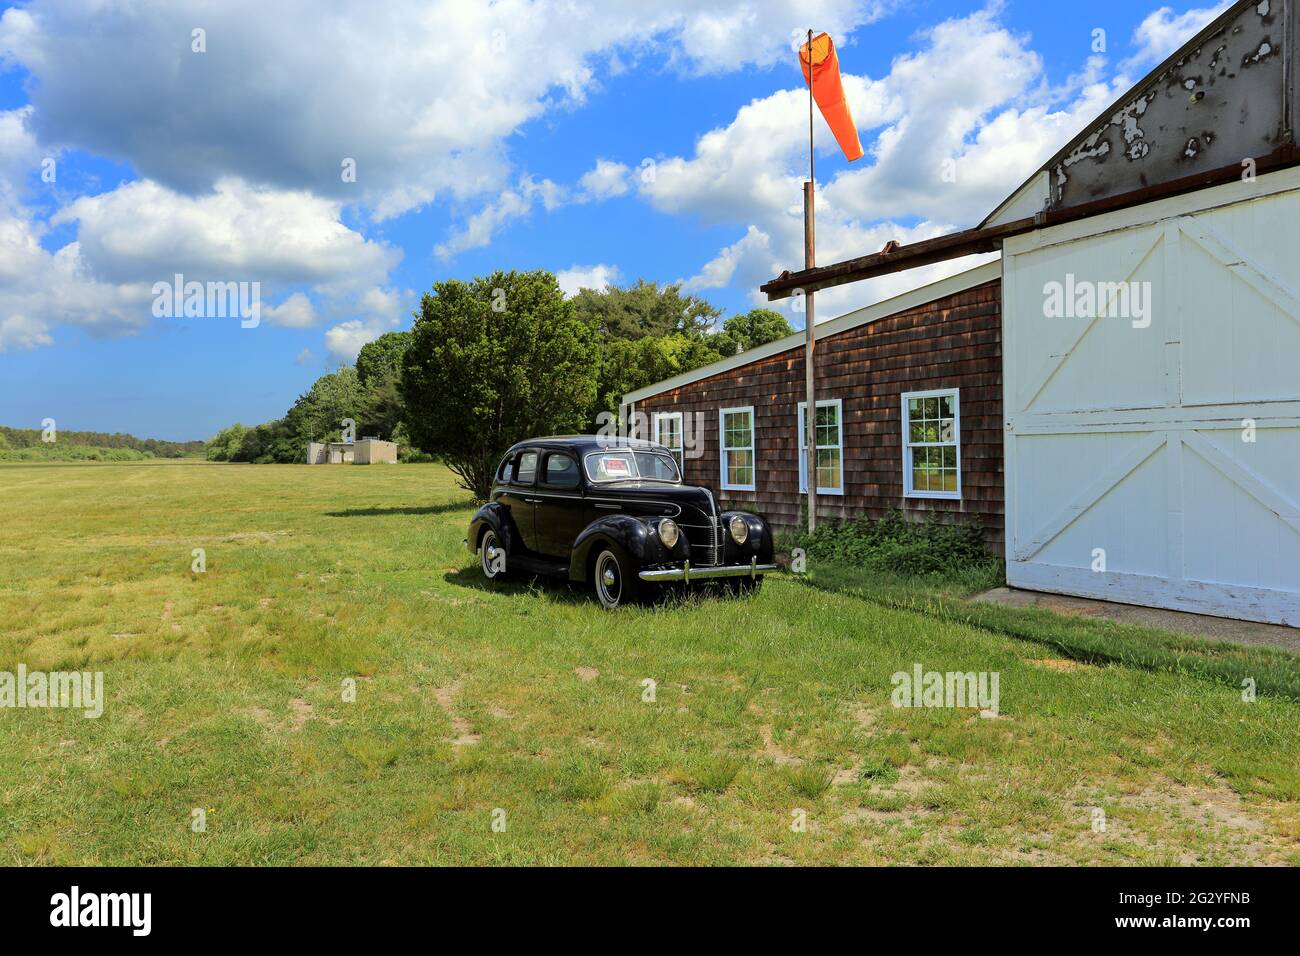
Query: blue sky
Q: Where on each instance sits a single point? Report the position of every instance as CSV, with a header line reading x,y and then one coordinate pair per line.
x,y
592,139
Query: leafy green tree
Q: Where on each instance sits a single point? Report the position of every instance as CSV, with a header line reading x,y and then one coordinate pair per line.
x,y
380,411
628,365
379,369
318,415
226,443
491,362
381,360
270,443
644,309
749,329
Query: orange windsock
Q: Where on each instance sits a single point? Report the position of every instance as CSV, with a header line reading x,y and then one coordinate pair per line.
x,y
821,69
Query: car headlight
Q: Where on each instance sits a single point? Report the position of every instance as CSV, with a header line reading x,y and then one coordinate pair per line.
x,y
739,530
668,533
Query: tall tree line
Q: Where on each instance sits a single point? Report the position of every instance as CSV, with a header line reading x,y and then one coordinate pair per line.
x,y
499,358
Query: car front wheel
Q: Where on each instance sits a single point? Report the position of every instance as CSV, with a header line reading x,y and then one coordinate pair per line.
x,y
615,579
492,556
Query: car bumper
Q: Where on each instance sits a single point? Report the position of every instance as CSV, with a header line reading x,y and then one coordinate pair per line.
x,y
688,574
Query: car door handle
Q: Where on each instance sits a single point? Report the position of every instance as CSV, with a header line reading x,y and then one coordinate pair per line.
x,y
613,507
533,501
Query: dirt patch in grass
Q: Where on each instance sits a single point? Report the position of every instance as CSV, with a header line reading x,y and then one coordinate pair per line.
x,y
773,752
586,674
464,730
263,717
911,781
1220,827
849,775
300,712
1059,664
263,536
856,815
864,717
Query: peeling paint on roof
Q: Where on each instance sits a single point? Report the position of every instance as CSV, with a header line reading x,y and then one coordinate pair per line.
x,y
1196,111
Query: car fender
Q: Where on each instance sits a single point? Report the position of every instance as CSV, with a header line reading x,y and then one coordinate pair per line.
x,y
629,533
495,516
757,545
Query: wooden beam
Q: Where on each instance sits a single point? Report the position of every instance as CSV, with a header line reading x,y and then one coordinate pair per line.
x,y
971,242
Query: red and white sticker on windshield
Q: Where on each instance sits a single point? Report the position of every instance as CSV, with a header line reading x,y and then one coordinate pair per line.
x,y
617,467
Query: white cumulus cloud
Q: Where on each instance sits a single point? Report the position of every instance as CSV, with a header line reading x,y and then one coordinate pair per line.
x,y
576,278
420,94
953,128
344,340
1162,32
295,312
605,180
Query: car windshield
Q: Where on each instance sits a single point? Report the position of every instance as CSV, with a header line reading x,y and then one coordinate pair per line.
x,y
628,465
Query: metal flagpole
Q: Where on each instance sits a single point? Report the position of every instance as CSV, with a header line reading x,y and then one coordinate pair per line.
x,y
810,260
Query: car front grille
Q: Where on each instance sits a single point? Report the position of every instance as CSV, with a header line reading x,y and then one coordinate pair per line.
x,y
706,544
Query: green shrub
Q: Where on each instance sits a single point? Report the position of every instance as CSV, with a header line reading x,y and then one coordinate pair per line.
x,y
715,775
896,545
59,451
807,780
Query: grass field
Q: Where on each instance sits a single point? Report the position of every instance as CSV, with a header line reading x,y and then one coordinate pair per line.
x,y
525,704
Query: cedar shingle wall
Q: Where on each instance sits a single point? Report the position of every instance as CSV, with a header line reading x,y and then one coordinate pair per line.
x,y
955,342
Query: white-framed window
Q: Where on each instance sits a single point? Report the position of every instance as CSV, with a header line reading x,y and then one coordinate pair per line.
x,y
830,447
736,448
668,432
932,444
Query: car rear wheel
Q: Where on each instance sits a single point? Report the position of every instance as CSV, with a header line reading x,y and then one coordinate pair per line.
x,y
491,556
614,579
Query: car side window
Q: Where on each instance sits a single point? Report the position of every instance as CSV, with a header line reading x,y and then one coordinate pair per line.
x,y
560,471
503,472
526,471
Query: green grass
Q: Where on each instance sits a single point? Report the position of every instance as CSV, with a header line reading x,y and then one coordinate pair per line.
x,y
521,705
1274,671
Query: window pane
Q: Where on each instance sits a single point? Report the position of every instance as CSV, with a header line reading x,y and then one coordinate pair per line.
x,y
740,468
669,431
527,468
611,466
561,471
828,468
932,437
828,425
736,430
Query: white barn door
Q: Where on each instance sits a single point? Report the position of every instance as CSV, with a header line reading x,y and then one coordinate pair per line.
x,y
1159,463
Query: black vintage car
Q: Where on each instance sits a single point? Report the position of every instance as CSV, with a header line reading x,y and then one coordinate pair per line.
x,y
613,512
